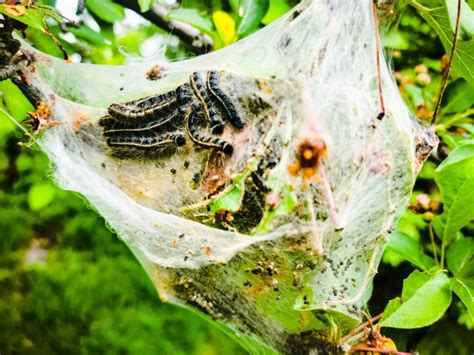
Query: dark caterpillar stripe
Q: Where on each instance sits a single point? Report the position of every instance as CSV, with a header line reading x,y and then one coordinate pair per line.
x,y
143,103
167,119
199,90
147,141
203,140
139,125
152,105
122,111
184,94
146,146
223,99
150,101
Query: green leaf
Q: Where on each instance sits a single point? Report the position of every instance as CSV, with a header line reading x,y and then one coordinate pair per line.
x,y
465,294
456,183
277,8
287,204
106,10
35,16
231,201
44,43
145,5
88,34
40,195
410,250
234,5
231,198
460,257
467,17
253,13
459,97
194,18
416,94
396,40
425,298
16,103
451,139
428,171
6,125
438,19
32,17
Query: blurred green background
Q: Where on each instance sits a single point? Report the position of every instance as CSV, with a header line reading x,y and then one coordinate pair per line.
x,y
68,285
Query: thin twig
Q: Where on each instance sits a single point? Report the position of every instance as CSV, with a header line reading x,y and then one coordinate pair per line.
x,y
30,91
317,239
452,120
360,328
199,42
379,70
333,212
433,244
11,55
418,6
447,72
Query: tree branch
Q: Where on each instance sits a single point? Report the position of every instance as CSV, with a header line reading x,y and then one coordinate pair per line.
x,y
199,42
447,72
11,57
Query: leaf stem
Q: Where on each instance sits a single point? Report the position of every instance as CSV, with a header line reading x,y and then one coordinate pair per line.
x,y
418,6
198,41
447,72
433,244
333,211
459,116
379,70
443,247
361,327
316,238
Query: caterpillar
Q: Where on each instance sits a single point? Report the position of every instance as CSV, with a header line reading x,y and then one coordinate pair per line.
x,y
153,105
165,123
156,125
124,111
146,146
197,85
223,100
203,140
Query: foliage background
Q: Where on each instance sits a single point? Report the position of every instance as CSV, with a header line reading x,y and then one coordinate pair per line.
x,y
68,285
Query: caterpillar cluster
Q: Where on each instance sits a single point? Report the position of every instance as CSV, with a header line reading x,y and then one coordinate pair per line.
x,y
156,126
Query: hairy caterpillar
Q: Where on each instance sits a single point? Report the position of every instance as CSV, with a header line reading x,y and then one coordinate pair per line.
x,y
203,140
165,123
153,105
144,125
197,85
223,100
146,146
121,111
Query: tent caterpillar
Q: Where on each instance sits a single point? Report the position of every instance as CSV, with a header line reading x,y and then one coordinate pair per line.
x,y
199,90
223,100
203,140
144,125
146,146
